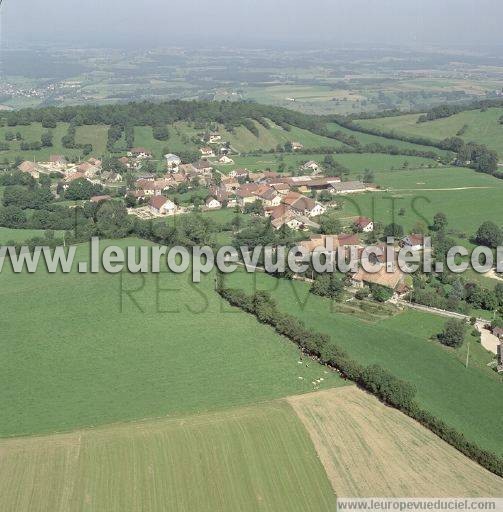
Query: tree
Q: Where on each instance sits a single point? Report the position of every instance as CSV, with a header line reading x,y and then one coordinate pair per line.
x,y
440,221
82,189
112,220
393,230
12,217
380,293
454,332
46,139
329,224
489,234
328,285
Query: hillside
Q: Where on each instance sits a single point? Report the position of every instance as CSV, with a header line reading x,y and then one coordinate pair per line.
x,y
478,126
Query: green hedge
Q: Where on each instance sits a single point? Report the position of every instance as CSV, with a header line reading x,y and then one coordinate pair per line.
x,y
375,379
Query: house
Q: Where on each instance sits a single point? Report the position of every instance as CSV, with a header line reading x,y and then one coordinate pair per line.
x,y
239,174
364,225
207,152
284,216
498,332
90,170
203,167
30,168
140,153
303,205
330,242
213,204
230,184
247,194
414,242
311,166
297,146
268,196
124,160
226,160
308,183
111,177
214,138
100,199
162,205
153,188
281,188
172,162
95,161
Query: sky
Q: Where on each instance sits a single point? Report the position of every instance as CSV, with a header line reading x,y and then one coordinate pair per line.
x,y
251,22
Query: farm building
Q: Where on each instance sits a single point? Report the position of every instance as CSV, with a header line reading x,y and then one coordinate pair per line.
x,y
364,224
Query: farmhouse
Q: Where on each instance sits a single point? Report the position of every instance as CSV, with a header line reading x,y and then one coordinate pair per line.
x,y
213,204
283,215
297,146
330,242
58,160
214,138
152,188
364,225
268,196
162,205
226,160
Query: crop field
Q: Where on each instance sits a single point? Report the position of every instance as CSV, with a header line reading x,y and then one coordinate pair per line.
x,y
247,459
468,399
147,346
481,127
388,453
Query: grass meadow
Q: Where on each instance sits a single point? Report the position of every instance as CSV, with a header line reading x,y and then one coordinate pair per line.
x,y
254,458
468,399
101,348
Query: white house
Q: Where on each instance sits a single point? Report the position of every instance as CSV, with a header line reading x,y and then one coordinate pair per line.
x,y
172,162
214,138
207,152
311,166
226,160
213,204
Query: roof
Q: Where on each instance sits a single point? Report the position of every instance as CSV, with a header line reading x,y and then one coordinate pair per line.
x,y
498,331
210,199
348,185
57,159
27,166
299,202
158,202
247,190
383,278
172,157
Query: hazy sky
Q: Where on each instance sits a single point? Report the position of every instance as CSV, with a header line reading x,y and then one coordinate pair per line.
x,y
172,22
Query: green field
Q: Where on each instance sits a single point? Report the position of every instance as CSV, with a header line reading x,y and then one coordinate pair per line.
x,y
366,138
90,356
482,127
457,192
21,235
247,459
355,162
32,133
467,399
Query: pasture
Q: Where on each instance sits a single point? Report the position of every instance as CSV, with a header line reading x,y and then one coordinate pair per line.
x,y
388,453
247,459
468,399
21,235
481,127
102,348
